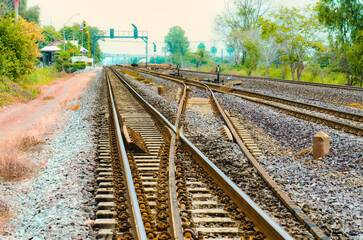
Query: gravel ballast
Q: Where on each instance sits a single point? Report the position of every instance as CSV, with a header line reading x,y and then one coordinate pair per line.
x,y
333,98
328,190
58,202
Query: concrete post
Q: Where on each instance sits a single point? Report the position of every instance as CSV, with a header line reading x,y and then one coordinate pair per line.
x,y
320,145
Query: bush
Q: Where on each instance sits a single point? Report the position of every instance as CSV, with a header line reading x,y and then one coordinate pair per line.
x,y
72,67
18,48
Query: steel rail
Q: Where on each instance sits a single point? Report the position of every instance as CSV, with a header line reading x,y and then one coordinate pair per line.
x,y
135,208
303,218
337,113
173,199
238,92
294,209
278,80
270,228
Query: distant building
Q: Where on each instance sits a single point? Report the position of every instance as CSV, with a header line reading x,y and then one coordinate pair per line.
x,y
49,52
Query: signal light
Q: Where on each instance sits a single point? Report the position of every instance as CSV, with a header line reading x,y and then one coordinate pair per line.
x,y
135,31
112,33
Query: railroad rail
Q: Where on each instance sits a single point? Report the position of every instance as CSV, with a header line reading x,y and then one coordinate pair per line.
x,y
276,80
348,122
143,138
293,208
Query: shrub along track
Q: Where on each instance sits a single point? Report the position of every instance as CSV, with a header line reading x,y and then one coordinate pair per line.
x,y
144,200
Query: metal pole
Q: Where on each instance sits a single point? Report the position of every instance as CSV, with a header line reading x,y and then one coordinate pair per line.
x,y
82,42
94,51
16,6
146,51
16,14
64,37
64,34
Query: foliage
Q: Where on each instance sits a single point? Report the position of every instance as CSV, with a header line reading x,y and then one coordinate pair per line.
x,y
29,14
96,53
297,33
201,46
202,57
24,88
87,39
252,46
18,48
72,67
62,58
213,50
239,18
50,35
73,32
177,44
159,60
344,20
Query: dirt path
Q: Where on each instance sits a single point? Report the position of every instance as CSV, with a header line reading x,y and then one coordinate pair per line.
x,y
34,117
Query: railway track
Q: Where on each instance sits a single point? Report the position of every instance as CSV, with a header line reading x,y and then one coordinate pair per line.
x,y
275,80
138,171
349,122
265,183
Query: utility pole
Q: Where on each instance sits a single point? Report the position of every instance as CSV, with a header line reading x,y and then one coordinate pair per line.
x,y
64,31
16,6
154,53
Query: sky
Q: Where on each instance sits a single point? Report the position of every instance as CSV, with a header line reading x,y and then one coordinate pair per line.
x,y
196,17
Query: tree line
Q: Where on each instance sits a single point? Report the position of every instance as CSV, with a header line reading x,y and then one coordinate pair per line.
x,y
325,38
22,39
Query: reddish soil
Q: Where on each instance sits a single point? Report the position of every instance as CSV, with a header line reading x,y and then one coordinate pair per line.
x,y
36,116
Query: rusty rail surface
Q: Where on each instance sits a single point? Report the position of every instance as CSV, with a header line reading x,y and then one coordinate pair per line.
x,y
135,208
270,101
303,218
252,210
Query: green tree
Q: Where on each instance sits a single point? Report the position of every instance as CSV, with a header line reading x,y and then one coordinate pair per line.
x,y
202,57
201,46
298,35
344,20
177,44
240,17
29,14
230,50
18,46
251,42
96,53
50,35
213,50
86,38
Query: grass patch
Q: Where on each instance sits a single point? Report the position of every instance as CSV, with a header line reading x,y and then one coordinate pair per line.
x,y
312,73
30,143
25,88
13,162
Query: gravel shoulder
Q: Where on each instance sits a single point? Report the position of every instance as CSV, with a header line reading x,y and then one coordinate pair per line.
x,y
58,202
